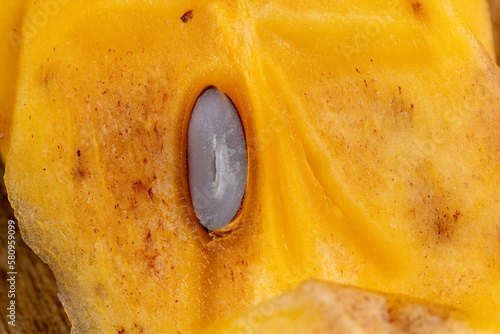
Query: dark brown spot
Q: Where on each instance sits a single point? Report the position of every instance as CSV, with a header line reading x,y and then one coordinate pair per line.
x,y
445,223
187,16
81,169
138,187
416,7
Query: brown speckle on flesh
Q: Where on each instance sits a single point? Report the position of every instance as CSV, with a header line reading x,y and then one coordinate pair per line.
x,y
187,16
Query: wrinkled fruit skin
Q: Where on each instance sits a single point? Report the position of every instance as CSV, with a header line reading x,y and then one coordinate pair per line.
x,y
373,143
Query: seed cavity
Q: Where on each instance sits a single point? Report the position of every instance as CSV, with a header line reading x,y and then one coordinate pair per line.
x,y
217,159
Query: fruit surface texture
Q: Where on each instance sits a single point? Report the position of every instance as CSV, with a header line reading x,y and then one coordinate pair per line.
x,y
317,307
373,141
11,13
477,16
495,18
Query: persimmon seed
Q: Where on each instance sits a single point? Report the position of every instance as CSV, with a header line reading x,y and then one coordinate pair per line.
x,y
217,159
